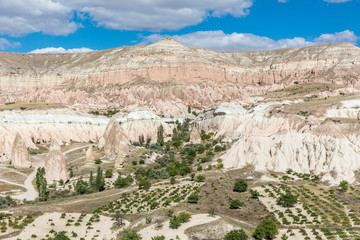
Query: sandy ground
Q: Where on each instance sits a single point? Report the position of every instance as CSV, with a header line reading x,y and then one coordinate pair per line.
x,y
169,233
298,235
42,226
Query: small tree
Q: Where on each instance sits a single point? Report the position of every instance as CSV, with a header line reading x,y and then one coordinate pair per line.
x,y
99,180
141,140
189,109
193,198
41,183
240,186
235,204
200,178
254,193
144,184
160,135
343,186
287,199
237,234
118,218
108,173
267,229
130,234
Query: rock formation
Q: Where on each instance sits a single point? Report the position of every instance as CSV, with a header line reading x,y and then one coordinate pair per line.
x,y
55,166
169,73
195,136
116,141
89,157
19,155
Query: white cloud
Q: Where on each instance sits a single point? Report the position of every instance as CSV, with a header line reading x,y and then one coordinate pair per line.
x,y
345,36
61,50
54,17
20,17
218,40
282,1
4,44
337,1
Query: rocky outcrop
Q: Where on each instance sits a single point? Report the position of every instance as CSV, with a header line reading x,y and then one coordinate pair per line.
x,y
116,141
195,137
55,166
19,154
119,160
89,157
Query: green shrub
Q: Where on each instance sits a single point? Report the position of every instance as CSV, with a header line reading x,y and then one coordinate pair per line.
x,y
237,234
193,198
130,234
240,186
287,199
267,229
108,173
235,204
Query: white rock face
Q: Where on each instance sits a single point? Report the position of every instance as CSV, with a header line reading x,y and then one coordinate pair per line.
x,y
55,166
336,159
19,155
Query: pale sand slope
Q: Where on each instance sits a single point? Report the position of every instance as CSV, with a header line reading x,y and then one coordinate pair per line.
x,y
42,226
169,233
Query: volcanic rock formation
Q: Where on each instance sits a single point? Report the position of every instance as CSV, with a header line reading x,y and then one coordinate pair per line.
x,y
167,73
116,141
19,155
55,166
89,157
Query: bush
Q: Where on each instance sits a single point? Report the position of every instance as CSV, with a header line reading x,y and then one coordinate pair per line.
x,y
266,229
61,236
144,184
97,161
176,220
108,173
235,204
254,193
240,186
158,238
287,199
200,178
237,234
193,198
343,186
130,234
123,182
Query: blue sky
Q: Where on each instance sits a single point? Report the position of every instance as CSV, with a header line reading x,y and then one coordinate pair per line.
x,y
83,25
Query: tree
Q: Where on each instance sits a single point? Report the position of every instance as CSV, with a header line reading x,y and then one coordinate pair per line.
x,y
189,109
266,229
130,234
254,193
343,186
141,140
144,184
99,180
175,222
118,218
287,199
240,186
160,135
61,236
41,183
235,204
108,173
237,234
193,198
200,178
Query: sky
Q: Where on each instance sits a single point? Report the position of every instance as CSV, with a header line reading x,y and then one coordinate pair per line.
x,y
52,26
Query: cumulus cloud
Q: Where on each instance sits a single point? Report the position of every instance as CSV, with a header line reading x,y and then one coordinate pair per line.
x,y
4,44
218,40
54,17
61,50
20,17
